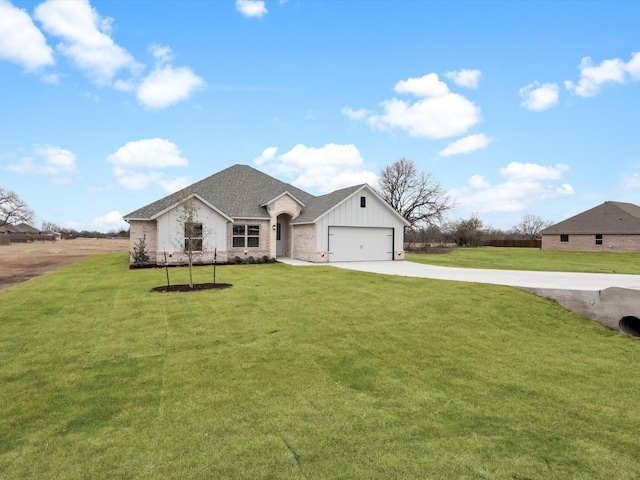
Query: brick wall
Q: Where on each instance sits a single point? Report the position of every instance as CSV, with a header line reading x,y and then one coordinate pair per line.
x,y
148,231
265,236
304,244
587,243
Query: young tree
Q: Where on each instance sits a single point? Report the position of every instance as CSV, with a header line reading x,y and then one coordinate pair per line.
x,y
140,254
530,227
13,209
192,233
415,195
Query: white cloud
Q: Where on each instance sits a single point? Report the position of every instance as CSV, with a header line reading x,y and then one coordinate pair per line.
x,y
151,152
532,171
427,86
326,168
525,185
251,8
440,117
633,66
592,77
110,221
162,53
85,38
465,78
167,86
539,97
466,145
20,40
137,164
356,114
46,160
267,155
438,113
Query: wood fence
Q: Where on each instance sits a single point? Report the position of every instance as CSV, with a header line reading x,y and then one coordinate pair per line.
x,y
514,243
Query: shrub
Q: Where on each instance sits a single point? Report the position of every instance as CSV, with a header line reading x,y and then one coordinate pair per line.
x,y
266,259
259,260
140,254
237,259
251,260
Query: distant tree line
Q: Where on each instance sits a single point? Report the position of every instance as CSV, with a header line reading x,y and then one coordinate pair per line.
x,y
471,232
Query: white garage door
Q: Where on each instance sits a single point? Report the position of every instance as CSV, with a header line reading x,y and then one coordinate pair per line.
x,y
359,244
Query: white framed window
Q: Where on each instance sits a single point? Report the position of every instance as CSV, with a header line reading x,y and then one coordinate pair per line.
x,y
246,236
193,237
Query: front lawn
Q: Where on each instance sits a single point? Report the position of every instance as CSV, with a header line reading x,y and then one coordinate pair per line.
x,y
312,372
533,259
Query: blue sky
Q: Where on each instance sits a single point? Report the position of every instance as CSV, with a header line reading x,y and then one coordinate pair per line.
x,y
514,107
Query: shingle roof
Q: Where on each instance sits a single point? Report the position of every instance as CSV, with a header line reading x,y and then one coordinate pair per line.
x,y
238,191
608,218
20,228
320,205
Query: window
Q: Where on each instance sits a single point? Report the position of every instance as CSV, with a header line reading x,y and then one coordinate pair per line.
x,y
246,236
564,238
363,202
193,237
238,235
598,239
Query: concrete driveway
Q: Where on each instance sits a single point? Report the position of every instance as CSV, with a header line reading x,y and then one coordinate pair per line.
x,y
513,278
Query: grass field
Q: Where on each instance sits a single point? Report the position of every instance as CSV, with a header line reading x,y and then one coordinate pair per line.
x,y
316,373
533,259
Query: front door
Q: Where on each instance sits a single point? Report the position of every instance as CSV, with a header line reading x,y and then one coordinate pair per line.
x,y
280,240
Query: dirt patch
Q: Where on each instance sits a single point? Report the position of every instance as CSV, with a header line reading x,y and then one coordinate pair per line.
x,y
196,287
20,262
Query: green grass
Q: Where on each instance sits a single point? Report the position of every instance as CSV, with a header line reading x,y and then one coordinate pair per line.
x,y
307,373
533,259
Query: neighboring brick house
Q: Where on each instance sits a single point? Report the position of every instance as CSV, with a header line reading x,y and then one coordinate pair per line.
x,y
610,227
244,212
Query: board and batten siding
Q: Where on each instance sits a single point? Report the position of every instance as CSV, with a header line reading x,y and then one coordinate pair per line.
x,y
171,237
351,214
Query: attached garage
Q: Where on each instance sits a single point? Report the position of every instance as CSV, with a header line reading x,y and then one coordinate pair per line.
x,y
360,244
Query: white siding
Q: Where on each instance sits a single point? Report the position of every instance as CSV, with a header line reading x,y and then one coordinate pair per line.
x,y
351,214
171,236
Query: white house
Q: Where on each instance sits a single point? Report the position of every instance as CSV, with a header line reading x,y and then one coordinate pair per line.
x,y
243,212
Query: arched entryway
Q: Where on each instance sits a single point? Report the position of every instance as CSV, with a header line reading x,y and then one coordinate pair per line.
x,y
283,235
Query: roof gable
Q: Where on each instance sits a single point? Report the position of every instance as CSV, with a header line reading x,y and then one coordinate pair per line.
x,y
321,206
607,218
239,191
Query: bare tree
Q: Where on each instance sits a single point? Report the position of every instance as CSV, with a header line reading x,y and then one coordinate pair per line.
x,y
49,227
415,195
13,209
465,233
191,233
530,227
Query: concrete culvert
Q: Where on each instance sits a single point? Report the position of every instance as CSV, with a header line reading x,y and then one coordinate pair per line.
x,y
630,326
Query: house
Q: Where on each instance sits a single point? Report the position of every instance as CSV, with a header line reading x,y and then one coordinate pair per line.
x,y
612,226
21,233
243,212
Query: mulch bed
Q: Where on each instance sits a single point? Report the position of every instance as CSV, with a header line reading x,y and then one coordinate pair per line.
x,y
196,287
